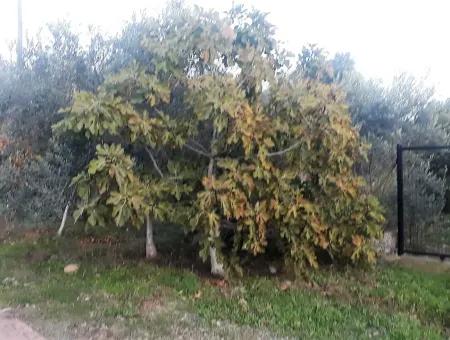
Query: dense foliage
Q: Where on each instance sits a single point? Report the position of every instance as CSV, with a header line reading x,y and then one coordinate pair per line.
x,y
404,113
273,152
36,169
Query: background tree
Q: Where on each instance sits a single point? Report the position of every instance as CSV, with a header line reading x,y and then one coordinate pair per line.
x,y
30,97
403,114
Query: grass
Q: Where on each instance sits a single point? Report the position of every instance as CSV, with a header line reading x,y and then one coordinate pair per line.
x,y
133,298
390,302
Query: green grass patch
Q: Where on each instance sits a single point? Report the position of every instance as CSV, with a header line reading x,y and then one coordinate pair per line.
x,y
387,302
311,314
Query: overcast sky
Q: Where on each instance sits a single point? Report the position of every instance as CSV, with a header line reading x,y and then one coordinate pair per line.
x,y
385,37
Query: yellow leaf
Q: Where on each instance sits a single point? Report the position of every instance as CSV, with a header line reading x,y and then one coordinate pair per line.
x,y
357,240
323,243
268,142
213,220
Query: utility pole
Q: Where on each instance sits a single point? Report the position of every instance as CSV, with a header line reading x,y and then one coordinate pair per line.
x,y
19,35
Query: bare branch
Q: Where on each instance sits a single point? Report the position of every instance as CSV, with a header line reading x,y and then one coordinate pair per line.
x,y
282,152
200,146
200,152
155,164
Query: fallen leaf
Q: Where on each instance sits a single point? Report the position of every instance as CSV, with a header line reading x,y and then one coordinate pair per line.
x,y
218,283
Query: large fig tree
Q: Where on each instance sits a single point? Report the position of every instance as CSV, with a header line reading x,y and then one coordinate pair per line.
x,y
225,138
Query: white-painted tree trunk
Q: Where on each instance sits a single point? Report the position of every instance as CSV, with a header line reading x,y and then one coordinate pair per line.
x,y
216,265
63,221
150,248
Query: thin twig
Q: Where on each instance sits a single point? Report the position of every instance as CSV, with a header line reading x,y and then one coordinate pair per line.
x,y
282,152
155,164
200,152
200,146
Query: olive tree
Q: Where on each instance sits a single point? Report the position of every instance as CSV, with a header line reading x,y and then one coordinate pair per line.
x,y
36,169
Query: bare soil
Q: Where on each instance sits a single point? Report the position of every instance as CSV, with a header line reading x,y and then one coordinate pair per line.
x,y
12,328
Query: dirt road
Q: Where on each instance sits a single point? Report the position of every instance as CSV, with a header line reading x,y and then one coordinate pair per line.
x,y
14,329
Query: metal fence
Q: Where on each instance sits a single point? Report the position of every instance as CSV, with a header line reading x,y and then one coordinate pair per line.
x,y
423,225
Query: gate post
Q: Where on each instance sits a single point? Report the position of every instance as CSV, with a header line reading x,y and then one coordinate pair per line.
x,y
400,220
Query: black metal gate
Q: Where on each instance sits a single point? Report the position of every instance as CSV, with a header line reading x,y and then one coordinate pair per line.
x,y
423,218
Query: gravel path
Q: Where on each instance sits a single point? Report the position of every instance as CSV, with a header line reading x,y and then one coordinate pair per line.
x,y
12,328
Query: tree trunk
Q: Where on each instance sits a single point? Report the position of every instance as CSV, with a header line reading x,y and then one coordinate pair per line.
x,y
216,265
150,248
64,218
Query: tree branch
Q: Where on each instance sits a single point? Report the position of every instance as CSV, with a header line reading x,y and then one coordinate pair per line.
x,y
201,147
282,152
155,164
200,152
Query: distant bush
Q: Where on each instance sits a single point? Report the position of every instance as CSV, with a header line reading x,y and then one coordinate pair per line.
x,y
38,189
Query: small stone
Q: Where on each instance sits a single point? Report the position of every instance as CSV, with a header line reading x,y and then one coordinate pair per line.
x,y
272,270
71,268
285,285
6,312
